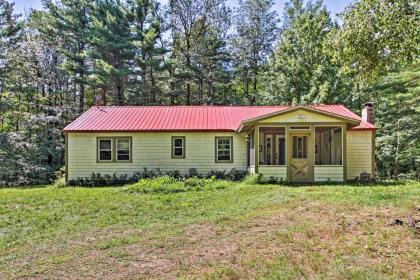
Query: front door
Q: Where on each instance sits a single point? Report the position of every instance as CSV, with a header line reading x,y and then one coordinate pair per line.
x,y
300,168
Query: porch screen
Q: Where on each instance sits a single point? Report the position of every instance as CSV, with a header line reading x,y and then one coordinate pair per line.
x,y
329,145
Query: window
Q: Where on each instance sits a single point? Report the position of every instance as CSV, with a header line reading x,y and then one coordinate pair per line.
x,y
300,127
123,149
178,147
328,145
223,149
114,149
300,146
268,149
105,149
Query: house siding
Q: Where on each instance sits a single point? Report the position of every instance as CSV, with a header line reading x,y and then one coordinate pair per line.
x,y
273,172
328,173
152,150
359,153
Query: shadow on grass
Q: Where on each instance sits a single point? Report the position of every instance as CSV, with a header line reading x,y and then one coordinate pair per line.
x,y
25,187
346,184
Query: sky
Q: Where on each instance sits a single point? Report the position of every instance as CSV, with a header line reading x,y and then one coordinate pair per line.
x,y
335,6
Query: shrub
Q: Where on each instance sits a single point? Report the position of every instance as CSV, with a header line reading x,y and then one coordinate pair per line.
x,y
232,175
164,184
97,179
252,179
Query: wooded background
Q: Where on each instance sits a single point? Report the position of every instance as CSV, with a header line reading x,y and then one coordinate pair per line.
x,y
56,62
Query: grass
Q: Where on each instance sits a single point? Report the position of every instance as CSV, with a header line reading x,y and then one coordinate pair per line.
x,y
211,230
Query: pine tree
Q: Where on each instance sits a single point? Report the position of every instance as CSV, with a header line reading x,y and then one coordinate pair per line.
x,y
68,22
147,29
397,106
256,32
196,29
10,28
112,48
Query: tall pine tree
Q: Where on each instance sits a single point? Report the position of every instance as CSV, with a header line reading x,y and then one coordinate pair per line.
x,y
147,29
256,33
69,22
112,48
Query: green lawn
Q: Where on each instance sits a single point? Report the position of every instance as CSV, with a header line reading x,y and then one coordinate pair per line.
x,y
223,230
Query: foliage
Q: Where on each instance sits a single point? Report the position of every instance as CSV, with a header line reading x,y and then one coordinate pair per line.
x,y
397,97
301,70
97,179
19,161
256,32
377,36
167,184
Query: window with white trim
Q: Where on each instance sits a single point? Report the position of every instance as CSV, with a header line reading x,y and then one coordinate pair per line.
x,y
105,149
224,149
178,147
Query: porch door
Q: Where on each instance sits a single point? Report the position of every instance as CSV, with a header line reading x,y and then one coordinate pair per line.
x,y
300,168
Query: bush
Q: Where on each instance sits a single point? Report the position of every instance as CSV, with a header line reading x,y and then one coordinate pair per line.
x,y
97,179
168,184
163,184
232,175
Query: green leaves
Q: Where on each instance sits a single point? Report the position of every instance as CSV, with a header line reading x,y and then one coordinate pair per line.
x,y
301,70
377,36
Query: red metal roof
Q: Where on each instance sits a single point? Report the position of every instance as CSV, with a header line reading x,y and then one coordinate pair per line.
x,y
181,118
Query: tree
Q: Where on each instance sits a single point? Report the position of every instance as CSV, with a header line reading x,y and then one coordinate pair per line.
x,y
112,48
378,36
196,30
255,34
147,29
68,22
397,112
10,28
301,70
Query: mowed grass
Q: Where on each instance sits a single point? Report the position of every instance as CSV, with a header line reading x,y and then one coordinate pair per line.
x,y
224,230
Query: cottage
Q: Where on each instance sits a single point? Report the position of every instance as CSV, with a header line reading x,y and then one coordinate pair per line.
x,y
291,143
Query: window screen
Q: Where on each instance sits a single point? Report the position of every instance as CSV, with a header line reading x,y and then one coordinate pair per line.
x,y
123,149
328,145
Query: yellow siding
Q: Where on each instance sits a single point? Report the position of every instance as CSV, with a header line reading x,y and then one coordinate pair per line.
x,y
359,153
272,171
151,151
300,116
328,173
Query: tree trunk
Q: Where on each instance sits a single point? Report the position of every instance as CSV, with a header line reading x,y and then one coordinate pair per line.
x,y
120,94
397,151
82,96
152,80
188,69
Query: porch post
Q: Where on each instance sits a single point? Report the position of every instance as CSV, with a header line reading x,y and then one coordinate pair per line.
x,y
257,147
344,155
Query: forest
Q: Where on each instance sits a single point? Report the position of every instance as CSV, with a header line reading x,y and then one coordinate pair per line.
x,y
57,62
